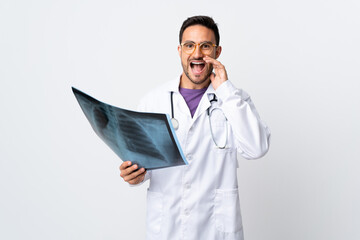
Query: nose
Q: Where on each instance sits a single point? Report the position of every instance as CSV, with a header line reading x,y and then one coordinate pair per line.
x,y
197,52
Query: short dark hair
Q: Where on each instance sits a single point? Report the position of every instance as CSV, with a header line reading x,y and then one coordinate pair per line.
x,y
200,20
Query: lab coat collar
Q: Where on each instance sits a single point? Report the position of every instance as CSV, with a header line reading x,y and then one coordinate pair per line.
x,y
173,85
210,90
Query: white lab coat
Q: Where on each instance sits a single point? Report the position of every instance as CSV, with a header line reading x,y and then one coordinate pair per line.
x,y
200,200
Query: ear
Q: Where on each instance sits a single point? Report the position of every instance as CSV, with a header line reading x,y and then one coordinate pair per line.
x,y
218,51
179,50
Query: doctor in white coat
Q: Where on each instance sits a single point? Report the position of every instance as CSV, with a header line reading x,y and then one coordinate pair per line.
x,y
200,200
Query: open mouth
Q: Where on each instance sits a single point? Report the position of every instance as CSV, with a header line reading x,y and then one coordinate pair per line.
x,y
197,66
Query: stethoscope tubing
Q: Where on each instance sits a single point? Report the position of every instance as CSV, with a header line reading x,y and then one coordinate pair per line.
x,y
172,105
175,122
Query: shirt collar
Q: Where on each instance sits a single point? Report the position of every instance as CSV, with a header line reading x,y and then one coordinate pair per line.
x,y
174,84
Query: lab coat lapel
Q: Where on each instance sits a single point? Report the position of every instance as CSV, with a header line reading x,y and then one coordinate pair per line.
x,y
204,103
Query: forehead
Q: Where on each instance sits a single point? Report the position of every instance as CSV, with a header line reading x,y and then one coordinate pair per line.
x,y
198,33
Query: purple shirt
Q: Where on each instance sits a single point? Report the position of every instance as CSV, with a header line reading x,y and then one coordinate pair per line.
x,y
192,97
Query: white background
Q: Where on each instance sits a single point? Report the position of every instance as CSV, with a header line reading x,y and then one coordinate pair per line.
x,y
299,60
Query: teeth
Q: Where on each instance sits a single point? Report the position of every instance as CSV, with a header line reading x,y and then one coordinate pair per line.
x,y
198,63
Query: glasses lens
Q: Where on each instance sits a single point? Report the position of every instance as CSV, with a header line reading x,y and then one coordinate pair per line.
x,y
189,47
206,48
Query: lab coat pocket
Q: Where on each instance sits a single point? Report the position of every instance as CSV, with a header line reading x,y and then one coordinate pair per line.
x,y
227,211
154,212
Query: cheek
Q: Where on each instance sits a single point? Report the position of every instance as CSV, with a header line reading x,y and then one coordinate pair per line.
x,y
184,60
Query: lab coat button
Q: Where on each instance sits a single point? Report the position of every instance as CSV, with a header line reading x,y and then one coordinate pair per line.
x,y
187,186
188,157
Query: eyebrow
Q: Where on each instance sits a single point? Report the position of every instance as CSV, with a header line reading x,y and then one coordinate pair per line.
x,y
200,42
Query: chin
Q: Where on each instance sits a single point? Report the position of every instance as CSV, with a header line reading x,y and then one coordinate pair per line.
x,y
198,80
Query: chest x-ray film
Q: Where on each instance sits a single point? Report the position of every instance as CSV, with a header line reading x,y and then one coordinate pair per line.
x,y
146,139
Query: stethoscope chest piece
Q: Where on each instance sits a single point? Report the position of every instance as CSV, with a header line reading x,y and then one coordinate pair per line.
x,y
175,123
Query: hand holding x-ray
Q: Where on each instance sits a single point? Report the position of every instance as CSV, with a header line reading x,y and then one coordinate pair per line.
x,y
131,174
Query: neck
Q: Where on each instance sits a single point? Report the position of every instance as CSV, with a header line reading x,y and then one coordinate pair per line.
x,y
185,82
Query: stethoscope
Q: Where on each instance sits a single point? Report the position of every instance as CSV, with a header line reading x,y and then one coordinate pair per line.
x,y
175,122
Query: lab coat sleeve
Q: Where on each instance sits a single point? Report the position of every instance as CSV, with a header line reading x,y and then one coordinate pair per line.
x,y
251,134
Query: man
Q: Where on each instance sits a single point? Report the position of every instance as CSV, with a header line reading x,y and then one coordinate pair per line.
x,y
215,121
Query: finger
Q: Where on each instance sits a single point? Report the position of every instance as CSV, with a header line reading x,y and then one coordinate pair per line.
x,y
212,76
214,62
124,165
209,58
138,179
135,175
220,71
127,171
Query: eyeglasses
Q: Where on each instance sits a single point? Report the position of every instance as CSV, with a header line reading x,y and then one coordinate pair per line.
x,y
206,48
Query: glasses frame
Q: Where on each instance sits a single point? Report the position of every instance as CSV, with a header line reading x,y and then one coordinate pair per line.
x,y
198,44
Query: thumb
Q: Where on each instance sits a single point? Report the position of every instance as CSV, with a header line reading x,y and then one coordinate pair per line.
x,y
212,77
